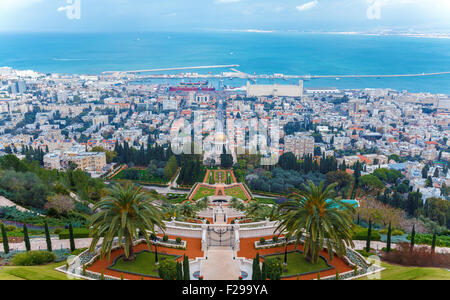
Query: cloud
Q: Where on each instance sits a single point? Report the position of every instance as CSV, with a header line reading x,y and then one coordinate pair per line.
x,y
307,6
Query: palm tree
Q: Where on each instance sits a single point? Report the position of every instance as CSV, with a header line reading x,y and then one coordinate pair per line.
x,y
186,210
322,220
123,213
254,209
201,204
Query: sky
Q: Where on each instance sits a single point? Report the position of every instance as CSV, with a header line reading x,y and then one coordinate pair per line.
x,y
200,15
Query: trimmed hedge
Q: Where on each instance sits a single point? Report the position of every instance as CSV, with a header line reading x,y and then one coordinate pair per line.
x,y
426,239
360,234
78,233
33,258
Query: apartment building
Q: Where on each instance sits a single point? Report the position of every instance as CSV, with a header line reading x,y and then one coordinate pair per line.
x,y
89,161
299,144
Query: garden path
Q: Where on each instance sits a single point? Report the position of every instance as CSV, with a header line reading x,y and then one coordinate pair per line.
x,y
220,265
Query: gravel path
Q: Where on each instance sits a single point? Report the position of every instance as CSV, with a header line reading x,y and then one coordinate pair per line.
x,y
40,244
360,245
8,203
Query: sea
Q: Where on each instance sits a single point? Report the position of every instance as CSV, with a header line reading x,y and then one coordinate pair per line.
x,y
255,52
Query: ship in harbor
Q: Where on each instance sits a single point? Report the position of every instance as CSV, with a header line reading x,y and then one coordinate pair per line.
x,y
192,87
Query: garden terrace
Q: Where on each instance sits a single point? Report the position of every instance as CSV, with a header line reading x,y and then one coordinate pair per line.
x,y
139,175
219,176
103,264
144,265
237,191
200,191
247,250
298,265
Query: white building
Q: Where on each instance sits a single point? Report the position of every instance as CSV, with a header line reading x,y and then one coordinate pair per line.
x,y
275,90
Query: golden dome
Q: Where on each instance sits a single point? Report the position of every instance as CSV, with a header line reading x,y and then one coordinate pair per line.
x,y
220,137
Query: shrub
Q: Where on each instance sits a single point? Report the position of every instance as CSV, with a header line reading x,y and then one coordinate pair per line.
x,y
360,234
178,240
57,231
78,233
427,239
395,232
274,268
33,258
364,253
78,251
418,257
165,238
167,269
60,203
275,239
262,241
11,228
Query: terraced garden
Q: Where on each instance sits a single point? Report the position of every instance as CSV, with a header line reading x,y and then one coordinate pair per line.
x,y
236,192
143,265
297,264
203,192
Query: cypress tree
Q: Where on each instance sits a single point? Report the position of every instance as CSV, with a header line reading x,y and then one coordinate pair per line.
x,y
433,242
338,277
388,242
256,269
179,271
186,271
264,271
413,236
369,233
5,240
26,237
47,237
285,253
72,240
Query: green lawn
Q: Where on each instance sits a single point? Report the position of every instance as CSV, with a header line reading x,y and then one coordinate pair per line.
x,y
143,265
236,192
203,192
265,201
176,198
297,264
46,272
394,272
